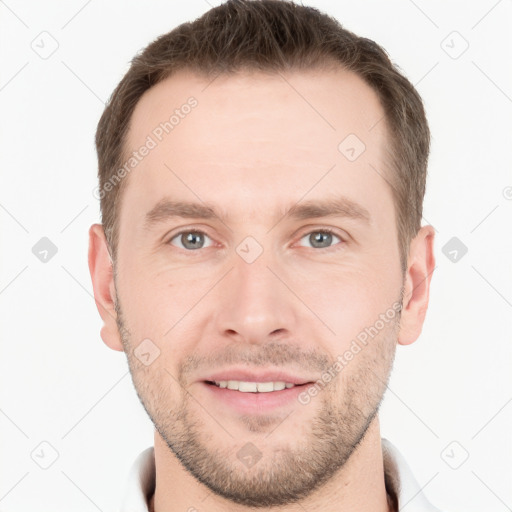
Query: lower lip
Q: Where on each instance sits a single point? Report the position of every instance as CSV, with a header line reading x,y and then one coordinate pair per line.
x,y
255,402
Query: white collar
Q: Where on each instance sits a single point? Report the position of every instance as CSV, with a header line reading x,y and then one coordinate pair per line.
x,y
141,481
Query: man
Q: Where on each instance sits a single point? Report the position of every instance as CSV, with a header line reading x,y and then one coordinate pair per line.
x,y
262,173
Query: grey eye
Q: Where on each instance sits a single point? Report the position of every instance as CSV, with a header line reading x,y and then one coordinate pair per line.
x,y
191,240
320,239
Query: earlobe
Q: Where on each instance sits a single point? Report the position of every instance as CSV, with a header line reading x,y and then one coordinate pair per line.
x,y
101,270
420,266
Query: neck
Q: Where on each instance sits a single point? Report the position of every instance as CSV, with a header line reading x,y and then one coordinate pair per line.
x,y
358,485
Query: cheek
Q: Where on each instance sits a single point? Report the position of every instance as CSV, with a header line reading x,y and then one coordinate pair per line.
x,y
155,301
361,308
348,297
364,359
157,388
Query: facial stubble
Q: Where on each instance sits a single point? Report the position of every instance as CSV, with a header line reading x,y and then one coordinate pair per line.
x,y
345,408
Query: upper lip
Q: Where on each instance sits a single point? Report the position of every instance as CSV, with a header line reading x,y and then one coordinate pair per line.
x,y
257,376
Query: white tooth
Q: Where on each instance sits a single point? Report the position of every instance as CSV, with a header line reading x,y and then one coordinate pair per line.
x,y
247,387
254,387
265,387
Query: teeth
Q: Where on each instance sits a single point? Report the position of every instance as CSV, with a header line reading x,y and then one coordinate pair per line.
x,y
265,387
248,387
253,387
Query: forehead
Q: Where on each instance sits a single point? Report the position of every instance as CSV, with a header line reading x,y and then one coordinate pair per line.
x,y
243,140
328,104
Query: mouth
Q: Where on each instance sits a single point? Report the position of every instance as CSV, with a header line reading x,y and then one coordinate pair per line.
x,y
253,387
249,397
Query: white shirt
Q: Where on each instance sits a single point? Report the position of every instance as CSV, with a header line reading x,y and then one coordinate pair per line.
x,y
140,484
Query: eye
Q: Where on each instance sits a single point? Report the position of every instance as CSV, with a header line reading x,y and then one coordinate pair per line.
x,y
321,239
190,240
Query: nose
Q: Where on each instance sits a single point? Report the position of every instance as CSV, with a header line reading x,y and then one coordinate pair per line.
x,y
254,304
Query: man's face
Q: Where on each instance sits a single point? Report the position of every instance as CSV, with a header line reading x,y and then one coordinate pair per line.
x,y
253,289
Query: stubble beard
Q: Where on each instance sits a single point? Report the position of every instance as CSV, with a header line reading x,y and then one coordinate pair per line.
x,y
285,474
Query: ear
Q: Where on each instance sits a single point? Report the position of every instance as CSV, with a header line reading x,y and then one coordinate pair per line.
x,y
420,266
100,267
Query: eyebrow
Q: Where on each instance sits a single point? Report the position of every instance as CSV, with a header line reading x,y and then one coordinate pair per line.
x,y
341,206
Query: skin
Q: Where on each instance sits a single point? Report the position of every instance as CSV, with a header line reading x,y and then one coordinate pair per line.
x,y
252,148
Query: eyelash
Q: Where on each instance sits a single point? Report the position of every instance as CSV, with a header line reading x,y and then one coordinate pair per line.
x,y
329,231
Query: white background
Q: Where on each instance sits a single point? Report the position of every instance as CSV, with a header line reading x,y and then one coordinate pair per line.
x,y
60,383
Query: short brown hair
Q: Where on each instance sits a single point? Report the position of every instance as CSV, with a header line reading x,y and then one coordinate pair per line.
x,y
272,36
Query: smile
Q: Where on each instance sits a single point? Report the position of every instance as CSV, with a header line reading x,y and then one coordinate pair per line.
x,y
253,387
